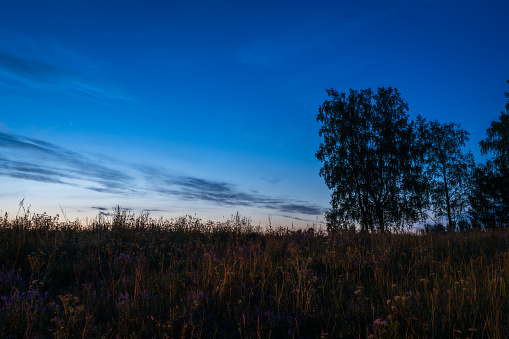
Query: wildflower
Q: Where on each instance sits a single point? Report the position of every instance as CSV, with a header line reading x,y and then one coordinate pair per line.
x,y
358,291
393,285
379,322
123,299
11,279
388,301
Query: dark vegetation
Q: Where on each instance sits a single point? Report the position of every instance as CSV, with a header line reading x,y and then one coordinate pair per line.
x,y
387,172
133,276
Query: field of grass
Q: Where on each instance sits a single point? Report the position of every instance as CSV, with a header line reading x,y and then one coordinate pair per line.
x,y
133,276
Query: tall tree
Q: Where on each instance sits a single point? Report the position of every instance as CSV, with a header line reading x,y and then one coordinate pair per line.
x,y
448,169
370,159
506,94
497,140
489,205
490,197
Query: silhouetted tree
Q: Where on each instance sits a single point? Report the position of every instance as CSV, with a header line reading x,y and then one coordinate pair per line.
x,y
448,169
506,94
490,196
370,159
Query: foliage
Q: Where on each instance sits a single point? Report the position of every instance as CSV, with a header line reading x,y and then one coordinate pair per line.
x,y
184,278
370,159
448,169
490,196
497,142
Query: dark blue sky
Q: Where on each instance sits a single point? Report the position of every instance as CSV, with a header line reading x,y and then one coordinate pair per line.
x,y
209,107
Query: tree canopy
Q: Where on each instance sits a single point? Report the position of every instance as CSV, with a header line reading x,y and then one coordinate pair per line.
x,y
448,169
371,159
386,171
490,197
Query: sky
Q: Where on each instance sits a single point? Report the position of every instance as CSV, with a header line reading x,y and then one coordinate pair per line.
x,y
208,108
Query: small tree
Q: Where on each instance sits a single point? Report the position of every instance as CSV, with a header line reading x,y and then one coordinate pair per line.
x,y
370,159
448,169
490,196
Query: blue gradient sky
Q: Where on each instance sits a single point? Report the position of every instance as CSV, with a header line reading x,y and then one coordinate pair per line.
x,y
209,107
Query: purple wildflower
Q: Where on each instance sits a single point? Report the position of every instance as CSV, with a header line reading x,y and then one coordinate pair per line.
x,y
123,299
11,279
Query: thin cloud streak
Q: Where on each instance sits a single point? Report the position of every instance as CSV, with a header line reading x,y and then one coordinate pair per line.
x,y
41,75
224,194
53,164
23,170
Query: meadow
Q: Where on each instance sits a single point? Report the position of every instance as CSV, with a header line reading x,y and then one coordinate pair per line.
x,y
133,276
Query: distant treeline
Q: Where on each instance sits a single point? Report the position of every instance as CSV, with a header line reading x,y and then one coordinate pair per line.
x,y
386,171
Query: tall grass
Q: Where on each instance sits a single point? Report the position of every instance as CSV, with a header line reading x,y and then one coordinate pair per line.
x,y
134,276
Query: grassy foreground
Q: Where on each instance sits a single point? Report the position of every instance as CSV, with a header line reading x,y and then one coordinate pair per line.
x,y
133,276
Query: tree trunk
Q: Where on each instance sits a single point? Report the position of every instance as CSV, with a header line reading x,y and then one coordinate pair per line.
x,y
381,221
450,226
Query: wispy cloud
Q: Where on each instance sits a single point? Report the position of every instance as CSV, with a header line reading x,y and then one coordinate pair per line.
x,y
41,75
272,181
222,193
102,211
24,170
299,207
48,65
36,160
